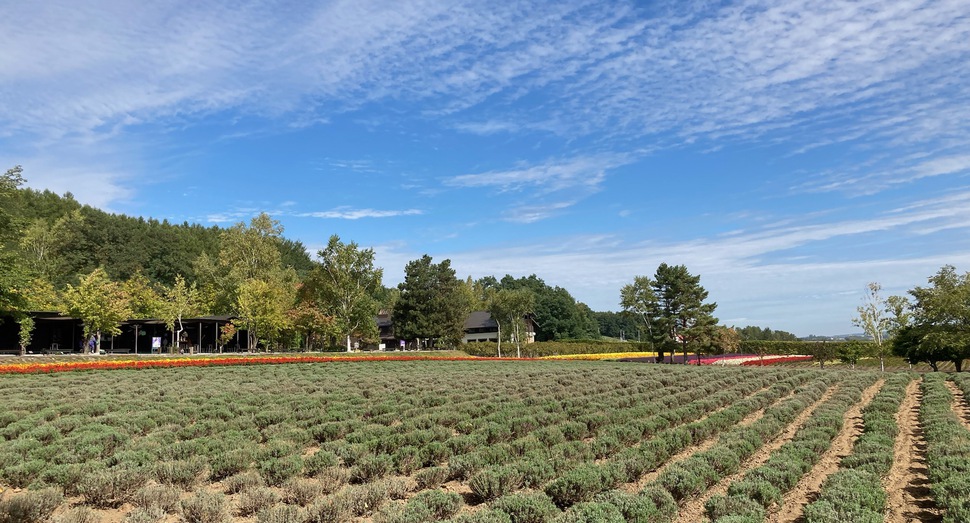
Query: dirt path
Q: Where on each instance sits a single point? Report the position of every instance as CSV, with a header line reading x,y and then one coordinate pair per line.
x,y
960,406
793,504
907,486
693,510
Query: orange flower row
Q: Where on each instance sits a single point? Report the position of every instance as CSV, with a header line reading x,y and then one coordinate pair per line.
x,y
33,368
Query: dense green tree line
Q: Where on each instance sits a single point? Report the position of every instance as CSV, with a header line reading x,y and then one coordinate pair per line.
x,y
59,255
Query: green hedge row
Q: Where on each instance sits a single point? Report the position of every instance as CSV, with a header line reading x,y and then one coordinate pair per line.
x,y
855,492
565,348
788,348
760,488
947,450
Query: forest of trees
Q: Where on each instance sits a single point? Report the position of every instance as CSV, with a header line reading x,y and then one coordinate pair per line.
x,y
59,255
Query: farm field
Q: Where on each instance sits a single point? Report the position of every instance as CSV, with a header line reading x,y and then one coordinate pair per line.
x,y
483,441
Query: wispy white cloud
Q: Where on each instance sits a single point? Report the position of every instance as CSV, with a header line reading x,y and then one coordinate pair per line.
x,y
690,68
551,176
870,74
347,213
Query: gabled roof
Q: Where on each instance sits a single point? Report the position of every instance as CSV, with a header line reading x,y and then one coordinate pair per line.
x,y
480,320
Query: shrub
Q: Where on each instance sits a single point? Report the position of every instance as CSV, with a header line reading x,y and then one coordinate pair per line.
x,y
399,488
329,509
205,507
30,507
653,504
181,473
226,464
78,515
242,482
431,477
143,515
319,461
407,460
281,514
301,491
741,506
162,497
332,478
533,507
580,484
591,512
276,470
111,488
495,482
483,516
370,468
364,500
535,471
441,504
253,500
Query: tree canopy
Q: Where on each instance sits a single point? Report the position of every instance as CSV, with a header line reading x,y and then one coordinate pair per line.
x,y
938,326
432,305
671,308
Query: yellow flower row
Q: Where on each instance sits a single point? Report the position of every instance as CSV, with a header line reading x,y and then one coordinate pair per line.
x,y
604,356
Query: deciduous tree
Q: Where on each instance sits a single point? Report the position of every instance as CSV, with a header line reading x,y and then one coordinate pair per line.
x,y
874,320
940,328
344,285
510,308
181,301
100,303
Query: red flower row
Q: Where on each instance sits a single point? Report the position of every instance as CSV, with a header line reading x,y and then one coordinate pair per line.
x,y
33,368
774,360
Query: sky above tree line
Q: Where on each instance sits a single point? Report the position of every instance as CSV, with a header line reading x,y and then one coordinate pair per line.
x,y
789,152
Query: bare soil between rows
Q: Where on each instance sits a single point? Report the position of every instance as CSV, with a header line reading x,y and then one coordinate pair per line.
x,y
793,505
960,406
693,510
908,497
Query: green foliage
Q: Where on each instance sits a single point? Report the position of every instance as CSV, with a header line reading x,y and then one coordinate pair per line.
x,y
580,484
618,325
100,303
509,308
753,333
533,507
671,308
495,482
592,512
431,305
557,314
947,449
344,286
940,328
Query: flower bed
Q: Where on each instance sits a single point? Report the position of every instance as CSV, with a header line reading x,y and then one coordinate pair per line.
x,y
720,359
34,368
770,360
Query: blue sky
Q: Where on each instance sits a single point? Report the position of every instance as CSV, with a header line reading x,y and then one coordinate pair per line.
x,y
789,152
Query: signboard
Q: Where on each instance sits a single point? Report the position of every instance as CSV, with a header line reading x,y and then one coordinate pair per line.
x,y
156,342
